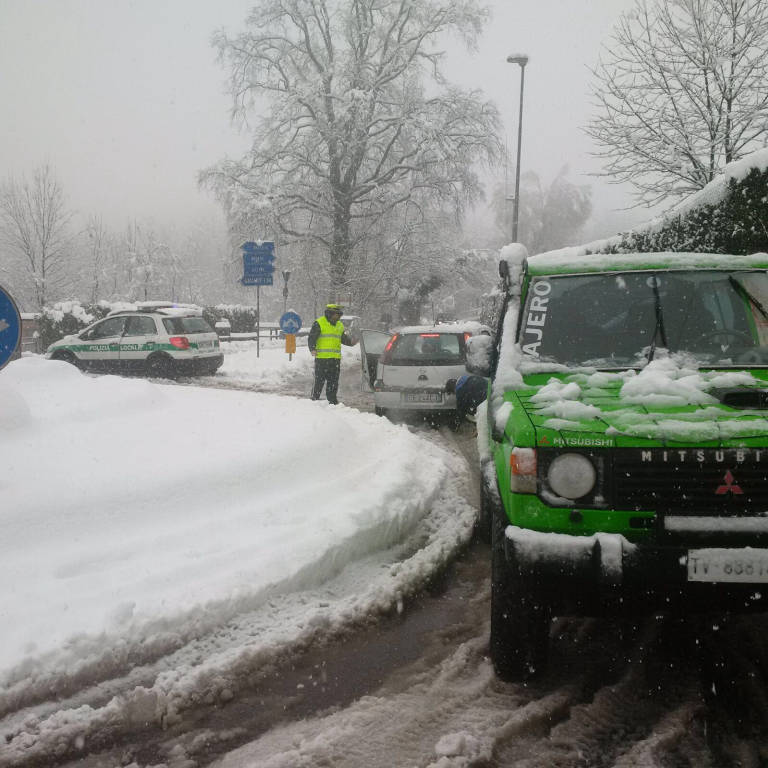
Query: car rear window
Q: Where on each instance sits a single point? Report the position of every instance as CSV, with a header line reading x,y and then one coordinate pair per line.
x,y
186,325
427,349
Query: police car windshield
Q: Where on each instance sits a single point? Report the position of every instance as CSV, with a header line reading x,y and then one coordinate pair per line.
x,y
618,320
186,325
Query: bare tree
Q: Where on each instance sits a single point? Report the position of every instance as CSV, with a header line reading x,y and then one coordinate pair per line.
x,y
34,233
681,90
350,132
98,246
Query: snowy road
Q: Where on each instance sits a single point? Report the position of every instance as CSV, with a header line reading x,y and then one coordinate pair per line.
x,y
389,668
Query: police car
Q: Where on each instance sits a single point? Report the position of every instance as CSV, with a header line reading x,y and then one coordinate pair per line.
x,y
158,339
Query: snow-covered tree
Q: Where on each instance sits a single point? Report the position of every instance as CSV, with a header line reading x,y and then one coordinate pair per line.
x,y
35,237
346,129
681,90
550,217
99,259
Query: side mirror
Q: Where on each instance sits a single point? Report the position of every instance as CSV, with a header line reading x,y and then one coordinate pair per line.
x,y
479,353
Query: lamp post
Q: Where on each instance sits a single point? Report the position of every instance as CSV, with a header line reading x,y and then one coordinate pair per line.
x,y
286,275
522,60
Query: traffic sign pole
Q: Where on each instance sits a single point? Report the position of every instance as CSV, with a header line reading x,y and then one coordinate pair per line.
x,y
258,268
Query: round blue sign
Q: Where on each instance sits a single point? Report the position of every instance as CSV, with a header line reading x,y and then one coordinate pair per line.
x,y
10,327
290,322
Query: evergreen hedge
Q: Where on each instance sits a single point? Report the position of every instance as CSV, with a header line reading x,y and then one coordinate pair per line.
x,y
738,224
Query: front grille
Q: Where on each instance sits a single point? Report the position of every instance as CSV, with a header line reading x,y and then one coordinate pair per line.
x,y
722,482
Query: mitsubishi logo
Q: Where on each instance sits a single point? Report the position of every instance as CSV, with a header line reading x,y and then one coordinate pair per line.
x,y
728,486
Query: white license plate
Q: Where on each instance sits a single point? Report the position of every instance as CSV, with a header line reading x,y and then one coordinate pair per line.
x,y
422,397
205,345
749,566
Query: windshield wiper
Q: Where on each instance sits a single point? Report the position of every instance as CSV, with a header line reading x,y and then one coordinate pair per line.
x,y
659,327
745,294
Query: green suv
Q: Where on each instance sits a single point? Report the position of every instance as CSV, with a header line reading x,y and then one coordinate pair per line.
x,y
624,447
165,341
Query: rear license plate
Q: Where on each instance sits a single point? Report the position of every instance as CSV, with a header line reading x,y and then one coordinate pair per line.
x,y
735,565
205,345
422,397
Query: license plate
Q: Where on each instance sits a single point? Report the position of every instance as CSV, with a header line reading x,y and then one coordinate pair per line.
x,y
732,565
205,345
422,397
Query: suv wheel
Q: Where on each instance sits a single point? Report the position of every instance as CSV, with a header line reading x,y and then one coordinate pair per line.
x,y
161,367
519,614
490,505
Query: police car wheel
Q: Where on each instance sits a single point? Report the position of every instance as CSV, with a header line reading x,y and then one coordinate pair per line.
x,y
160,367
68,357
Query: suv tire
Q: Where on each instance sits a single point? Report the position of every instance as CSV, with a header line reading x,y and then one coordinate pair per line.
x,y
520,616
490,506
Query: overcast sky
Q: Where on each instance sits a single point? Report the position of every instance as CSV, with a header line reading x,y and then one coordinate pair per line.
x,y
125,99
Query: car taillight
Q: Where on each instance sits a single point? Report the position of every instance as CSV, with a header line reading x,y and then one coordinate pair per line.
x,y
467,336
429,335
522,470
180,342
387,353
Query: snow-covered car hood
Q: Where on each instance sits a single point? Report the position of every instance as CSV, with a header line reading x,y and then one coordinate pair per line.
x,y
664,404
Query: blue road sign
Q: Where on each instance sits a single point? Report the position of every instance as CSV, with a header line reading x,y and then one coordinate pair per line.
x,y
259,271
257,264
258,258
257,280
265,248
10,327
290,322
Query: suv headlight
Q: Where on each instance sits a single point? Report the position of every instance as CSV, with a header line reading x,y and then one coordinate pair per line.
x,y
571,475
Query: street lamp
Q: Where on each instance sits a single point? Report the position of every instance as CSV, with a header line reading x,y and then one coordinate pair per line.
x,y
286,275
522,60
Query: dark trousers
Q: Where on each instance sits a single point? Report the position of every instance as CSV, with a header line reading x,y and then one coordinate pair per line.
x,y
326,372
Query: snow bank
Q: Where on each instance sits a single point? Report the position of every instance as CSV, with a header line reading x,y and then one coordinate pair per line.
x,y
131,507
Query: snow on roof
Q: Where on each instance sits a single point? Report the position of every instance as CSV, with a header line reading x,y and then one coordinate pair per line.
x,y
576,259
459,326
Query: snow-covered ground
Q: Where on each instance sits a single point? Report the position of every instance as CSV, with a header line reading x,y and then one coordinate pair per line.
x,y
173,534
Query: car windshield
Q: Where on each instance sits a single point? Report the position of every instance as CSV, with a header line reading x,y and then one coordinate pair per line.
x,y
186,325
427,349
621,320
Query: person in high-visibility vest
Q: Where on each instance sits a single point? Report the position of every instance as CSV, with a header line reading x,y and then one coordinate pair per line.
x,y
326,336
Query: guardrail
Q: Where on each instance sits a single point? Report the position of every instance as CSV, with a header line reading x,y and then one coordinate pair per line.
x,y
265,332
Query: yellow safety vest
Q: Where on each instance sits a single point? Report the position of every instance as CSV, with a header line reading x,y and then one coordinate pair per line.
x,y
329,341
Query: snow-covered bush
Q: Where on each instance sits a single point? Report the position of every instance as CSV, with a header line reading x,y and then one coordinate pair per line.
x,y
728,216
67,317
242,318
